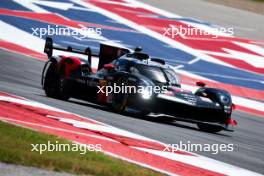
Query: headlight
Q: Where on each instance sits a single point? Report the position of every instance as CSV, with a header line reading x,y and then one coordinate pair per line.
x,y
145,89
224,99
146,93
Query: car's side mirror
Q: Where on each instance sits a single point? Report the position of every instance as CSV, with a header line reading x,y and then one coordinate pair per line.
x,y
109,66
200,84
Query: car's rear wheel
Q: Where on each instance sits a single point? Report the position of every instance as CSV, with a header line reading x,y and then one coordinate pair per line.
x,y
54,84
209,128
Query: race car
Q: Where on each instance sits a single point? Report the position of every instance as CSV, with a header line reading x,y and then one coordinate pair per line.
x,y
156,86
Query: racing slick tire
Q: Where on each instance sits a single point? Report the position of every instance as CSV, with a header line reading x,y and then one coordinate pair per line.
x,y
119,100
209,128
54,84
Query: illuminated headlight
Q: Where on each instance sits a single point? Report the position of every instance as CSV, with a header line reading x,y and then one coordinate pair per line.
x,y
146,94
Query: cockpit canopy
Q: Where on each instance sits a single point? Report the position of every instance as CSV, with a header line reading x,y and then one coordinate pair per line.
x,y
156,72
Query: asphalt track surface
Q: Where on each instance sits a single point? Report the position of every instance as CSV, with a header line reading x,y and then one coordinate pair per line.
x,y
21,75
246,24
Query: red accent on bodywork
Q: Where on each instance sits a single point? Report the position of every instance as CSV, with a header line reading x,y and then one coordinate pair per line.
x,y
200,83
69,67
108,66
232,122
233,106
102,98
169,93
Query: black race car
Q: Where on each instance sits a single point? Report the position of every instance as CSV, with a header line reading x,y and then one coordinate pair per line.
x,y
153,86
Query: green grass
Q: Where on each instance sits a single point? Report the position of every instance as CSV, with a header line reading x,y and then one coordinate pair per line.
x,y
15,147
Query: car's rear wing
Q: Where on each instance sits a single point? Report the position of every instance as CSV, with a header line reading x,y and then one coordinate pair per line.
x,y
107,54
49,47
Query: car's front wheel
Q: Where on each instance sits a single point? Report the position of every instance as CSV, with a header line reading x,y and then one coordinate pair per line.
x,y
209,128
119,100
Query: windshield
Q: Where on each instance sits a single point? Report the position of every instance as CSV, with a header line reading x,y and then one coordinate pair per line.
x,y
157,74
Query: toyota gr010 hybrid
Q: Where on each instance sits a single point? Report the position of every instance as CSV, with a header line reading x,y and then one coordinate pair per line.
x,y
66,76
